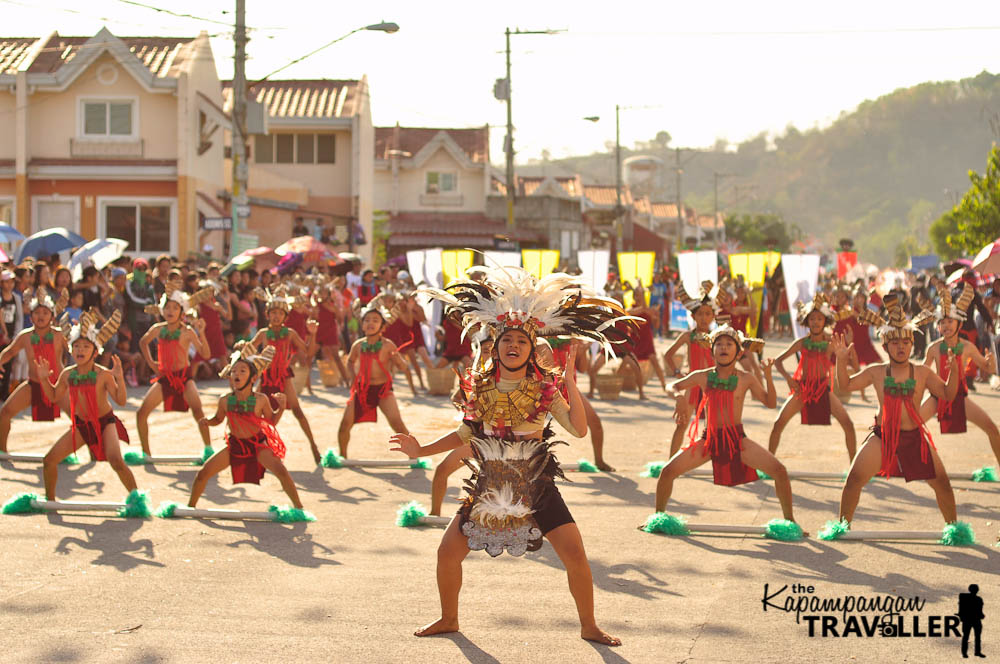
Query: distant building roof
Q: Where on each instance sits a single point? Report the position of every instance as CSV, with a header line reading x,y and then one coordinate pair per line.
x,y
475,142
605,195
322,99
162,56
572,184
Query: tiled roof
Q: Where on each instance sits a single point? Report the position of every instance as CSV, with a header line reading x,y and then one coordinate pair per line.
x,y
708,221
474,142
605,194
322,99
451,229
13,50
161,55
570,184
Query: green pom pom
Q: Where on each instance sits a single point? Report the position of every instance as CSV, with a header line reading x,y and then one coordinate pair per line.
x,y
137,505
668,524
653,469
985,474
135,458
761,475
21,504
71,460
957,533
783,530
834,529
206,454
332,460
409,514
421,464
166,509
290,514
585,466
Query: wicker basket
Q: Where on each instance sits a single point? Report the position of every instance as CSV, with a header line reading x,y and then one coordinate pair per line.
x,y
329,373
299,379
609,386
441,381
628,377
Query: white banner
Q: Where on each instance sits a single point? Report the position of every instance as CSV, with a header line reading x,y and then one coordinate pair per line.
x,y
696,267
503,258
594,266
425,267
801,272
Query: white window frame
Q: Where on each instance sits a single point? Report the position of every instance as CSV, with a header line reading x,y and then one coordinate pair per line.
x,y
451,192
102,221
12,201
106,99
56,198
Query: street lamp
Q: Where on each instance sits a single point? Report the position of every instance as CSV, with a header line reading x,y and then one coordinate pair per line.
x,y
240,171
618,176
502,92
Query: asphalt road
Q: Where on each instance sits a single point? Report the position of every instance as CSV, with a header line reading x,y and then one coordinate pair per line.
x,y
352,586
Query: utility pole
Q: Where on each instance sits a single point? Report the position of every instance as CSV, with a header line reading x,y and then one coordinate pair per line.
x,y
239,200
618,184
681,220
715,217
503,92
509,146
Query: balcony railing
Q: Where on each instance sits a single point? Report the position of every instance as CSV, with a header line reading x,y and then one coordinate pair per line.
x,y
106,149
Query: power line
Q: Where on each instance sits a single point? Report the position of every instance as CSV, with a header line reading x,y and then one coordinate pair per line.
x,y
177,14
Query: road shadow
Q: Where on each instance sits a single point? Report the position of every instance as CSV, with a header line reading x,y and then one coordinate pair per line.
x,y
611,578
290,543
472,653
317,482
112,539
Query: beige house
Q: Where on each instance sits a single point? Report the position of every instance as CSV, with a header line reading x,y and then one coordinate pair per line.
x,y
312,164
434,184
112,137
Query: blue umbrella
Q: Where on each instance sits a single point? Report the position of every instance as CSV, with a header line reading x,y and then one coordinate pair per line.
x,y
48,242
9,234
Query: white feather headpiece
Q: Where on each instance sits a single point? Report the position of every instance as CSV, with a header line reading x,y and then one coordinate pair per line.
x,y
511,298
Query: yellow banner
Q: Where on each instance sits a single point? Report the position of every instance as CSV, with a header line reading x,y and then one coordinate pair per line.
x,y
635,267
753,267
540,262
454,263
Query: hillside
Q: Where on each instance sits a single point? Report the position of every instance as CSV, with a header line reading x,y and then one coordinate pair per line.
x,y
879,174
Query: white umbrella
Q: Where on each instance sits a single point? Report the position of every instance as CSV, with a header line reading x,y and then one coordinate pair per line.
x,y
100,253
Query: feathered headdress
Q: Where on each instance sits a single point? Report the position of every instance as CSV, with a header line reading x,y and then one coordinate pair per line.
x,y
246,351
278,299
707,295
897,325
41,298
955,309
819,303
748,344
87,329
513,299
376,304
174,293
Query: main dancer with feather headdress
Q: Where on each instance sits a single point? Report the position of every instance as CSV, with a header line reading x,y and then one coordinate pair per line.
x,y
513,501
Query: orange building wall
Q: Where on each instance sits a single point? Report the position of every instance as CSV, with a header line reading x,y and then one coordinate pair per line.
x,y
89,190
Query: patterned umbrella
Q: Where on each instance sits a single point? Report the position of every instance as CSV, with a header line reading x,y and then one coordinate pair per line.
x,y
312,250
48,242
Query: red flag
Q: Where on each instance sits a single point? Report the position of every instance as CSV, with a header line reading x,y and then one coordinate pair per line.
x,y
845,261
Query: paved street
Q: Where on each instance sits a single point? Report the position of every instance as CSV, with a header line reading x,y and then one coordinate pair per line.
x,y
352,587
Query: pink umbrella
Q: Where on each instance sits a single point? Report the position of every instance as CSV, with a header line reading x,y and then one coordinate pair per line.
x,y
4,258
987,261
264,258
312,250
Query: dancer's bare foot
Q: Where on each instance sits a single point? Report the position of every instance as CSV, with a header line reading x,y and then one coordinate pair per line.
x,y
316,455
440,626
605,466
598,635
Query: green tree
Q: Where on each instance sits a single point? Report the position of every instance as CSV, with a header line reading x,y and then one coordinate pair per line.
x,y
946,226
977,216
758,232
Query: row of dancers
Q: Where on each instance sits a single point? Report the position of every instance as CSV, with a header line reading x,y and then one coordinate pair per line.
x,y
526,333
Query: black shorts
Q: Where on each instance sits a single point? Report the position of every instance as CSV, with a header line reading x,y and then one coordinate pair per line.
x,y
554,512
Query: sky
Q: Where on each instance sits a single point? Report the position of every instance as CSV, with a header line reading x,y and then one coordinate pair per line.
x,y
701,71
